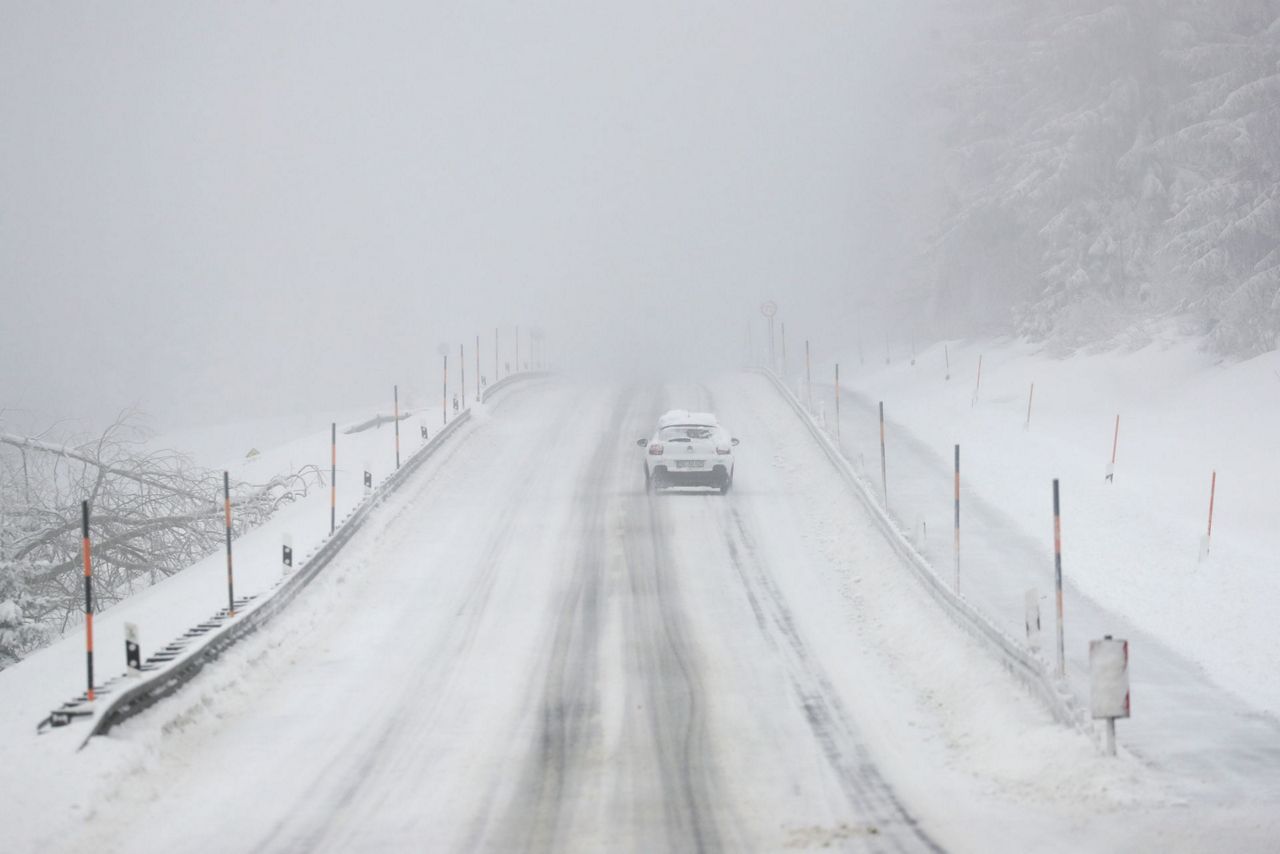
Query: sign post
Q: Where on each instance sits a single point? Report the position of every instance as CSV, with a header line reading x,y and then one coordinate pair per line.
x,y
1109,684
769,308
396,393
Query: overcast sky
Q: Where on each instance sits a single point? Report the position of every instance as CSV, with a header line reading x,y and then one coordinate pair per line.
x,y
217,209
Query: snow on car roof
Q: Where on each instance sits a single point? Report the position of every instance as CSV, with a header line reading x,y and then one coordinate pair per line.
x,y
684,416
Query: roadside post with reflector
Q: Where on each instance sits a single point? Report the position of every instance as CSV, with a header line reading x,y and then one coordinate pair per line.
x,y
1115,443
1031,606
1109,684
226,503
368,480
286,554
88,594
132,650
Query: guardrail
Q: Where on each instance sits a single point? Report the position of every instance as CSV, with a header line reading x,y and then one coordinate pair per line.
x,y
1033,671
156,685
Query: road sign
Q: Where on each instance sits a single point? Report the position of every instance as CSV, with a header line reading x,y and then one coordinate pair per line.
x,y
768,308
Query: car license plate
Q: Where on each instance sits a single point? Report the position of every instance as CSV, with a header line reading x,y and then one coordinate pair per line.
x,y
688,464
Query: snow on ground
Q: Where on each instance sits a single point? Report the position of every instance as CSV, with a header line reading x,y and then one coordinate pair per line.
x,y
1203,636
526,650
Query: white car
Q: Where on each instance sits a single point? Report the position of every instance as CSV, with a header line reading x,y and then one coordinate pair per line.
x,y
688,449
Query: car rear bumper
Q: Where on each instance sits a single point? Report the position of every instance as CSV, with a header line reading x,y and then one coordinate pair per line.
x,y
715,476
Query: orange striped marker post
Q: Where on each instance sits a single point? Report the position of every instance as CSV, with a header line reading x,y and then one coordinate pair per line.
x,y
395,390
88,593
1115,443
1057,578
226,506
837,404
884,472
957,518
333,477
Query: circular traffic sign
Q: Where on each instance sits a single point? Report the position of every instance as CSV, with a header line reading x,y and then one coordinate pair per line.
x,y
768,308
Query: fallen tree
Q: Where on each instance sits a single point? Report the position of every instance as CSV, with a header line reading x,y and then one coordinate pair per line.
x,y
154,513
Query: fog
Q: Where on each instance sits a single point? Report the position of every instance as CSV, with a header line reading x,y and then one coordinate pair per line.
x,y
216,210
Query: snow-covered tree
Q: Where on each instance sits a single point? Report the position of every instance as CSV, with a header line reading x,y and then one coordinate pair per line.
x,y
1112,161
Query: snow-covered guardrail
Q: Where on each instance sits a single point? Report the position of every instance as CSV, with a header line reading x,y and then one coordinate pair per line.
x,y
165,681
1025,665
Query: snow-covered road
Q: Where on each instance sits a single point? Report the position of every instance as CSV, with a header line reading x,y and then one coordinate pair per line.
x,y
529,652
523,650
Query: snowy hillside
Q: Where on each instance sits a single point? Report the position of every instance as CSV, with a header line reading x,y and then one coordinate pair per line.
x,y
1107,163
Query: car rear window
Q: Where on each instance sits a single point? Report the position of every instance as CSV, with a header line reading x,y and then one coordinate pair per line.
x,y
686,433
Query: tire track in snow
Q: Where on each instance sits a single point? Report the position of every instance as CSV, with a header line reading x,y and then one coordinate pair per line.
x,y
396,743
568,729
892,828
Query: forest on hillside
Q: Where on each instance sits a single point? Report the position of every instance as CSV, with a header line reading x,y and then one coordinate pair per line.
x,y
1105,164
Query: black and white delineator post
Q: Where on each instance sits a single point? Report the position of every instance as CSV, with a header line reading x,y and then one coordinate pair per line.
x,y
132,650
1031,606
286,554
368,480
1109,684
423,429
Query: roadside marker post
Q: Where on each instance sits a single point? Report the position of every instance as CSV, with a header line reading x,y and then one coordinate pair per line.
x,y
462,373
226,503
497,367
977,386
368,479
946,354
517,348
884,471
784,351
1031,608
1030,396
333,476
1109,684
1057,577
396,392
1115,443
1204,544
88,593
808,376
286,554
132,650
957,519
479,379
837,404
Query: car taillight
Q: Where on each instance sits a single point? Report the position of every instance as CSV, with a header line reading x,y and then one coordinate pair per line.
x,y
722,450
656,449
